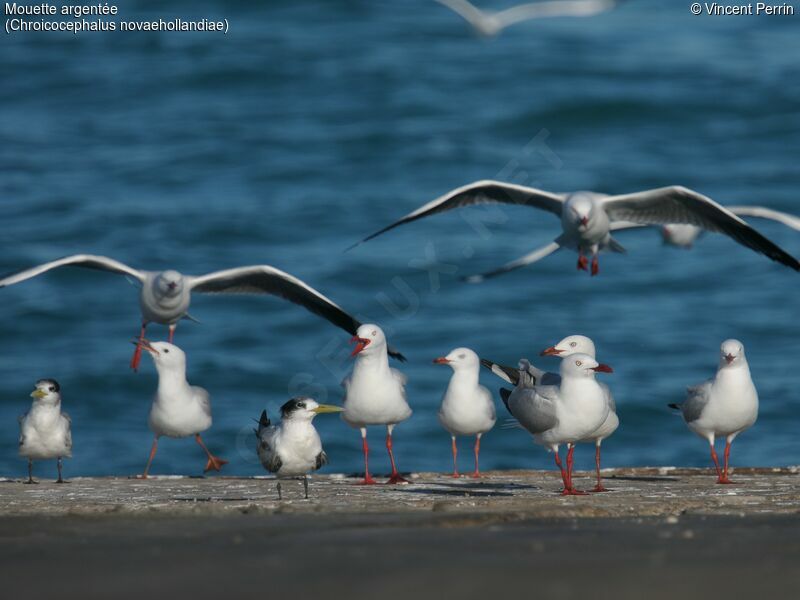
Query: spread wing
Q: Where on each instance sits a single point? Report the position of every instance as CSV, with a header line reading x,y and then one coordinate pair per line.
x,y
555,8
762,212
465,10
264,279
523,261
481,192
87,261
678,204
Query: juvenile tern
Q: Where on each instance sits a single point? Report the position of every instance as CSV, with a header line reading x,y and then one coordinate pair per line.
x,y
374,394
725,405
293,448
566,413
179,409
589,218
45,430
467,407
165,296
490,24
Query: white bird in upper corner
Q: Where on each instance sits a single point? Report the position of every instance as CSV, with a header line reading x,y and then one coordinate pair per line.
x,y
467,407
725,405
293,447
589,218
179,409
684,236
566,413
490,24
45,429
375,394
165,295
572,344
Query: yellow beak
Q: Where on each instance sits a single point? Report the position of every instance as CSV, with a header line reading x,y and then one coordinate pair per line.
x,y
38,394
327,408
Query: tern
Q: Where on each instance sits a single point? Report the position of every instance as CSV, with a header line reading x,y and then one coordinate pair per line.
x,y
566,413
165,296
725,405
179,409
490,24
588,219
374,394
293,448
467,407
45,430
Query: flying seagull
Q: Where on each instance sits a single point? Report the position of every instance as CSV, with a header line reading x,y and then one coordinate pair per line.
x,y
491,23
588,219
165,296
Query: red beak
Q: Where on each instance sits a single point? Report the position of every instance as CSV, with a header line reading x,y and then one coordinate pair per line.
x,y
601,368
440,361
144,345
729,358
360,343
551,351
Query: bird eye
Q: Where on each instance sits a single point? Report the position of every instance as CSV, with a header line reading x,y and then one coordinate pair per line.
x,y
462,356
573,344
578,363
374,333
52,388
301,405
166,350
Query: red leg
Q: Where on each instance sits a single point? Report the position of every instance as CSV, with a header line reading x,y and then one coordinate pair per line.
x,y
583,263
149,460
595,265
564,477
172,332
477,472
572,491
716,463
724,477
214,462
455,457
137,354
368,480
599,487
396,477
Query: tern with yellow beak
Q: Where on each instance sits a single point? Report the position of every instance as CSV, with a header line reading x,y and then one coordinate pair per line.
x,y
292,448
179,409
45,430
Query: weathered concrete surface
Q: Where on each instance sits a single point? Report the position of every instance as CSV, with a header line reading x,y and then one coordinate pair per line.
x,y
640,492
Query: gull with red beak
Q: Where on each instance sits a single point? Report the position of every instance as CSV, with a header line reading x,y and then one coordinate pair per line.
x,y
725,405
374,394
589,218
164,296
566,413
467,407
179,409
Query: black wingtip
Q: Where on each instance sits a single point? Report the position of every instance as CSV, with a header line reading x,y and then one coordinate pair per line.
x,y
505,394
674,406
263,421
397,355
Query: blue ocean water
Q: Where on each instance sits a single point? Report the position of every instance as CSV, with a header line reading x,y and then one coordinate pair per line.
x,y
313,123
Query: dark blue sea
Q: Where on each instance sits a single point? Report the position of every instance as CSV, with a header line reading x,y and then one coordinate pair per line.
x,y
315,122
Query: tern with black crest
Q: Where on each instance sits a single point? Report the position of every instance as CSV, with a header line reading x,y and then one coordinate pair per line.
x,y
45,431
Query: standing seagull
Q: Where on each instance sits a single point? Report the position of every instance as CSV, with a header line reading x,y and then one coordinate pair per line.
x,y
293,448
45,430
375,394
566,413
490,24
179,409
588,218
725,405
165,295
467,407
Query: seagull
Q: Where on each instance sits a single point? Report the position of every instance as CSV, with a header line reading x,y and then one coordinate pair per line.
x,y
467,407
374,394
684,236
725,405
45,430
588,219
566,413
293,447
165,296
572,344
490,24
179,409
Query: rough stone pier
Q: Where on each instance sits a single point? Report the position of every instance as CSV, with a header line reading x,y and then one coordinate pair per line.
x,y
659,533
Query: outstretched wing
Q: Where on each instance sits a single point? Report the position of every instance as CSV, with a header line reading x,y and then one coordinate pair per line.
x,y
555,8
762,212
264,279
678,204
481,192
87,261
523,261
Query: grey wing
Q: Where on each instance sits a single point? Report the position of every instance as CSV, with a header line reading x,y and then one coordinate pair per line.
x,y
87,261
481,192
696,400
264,279
523,261
465,10
20,420
609,396
68,438
678,204
322,460
267,451
554,8
762,212
534,408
